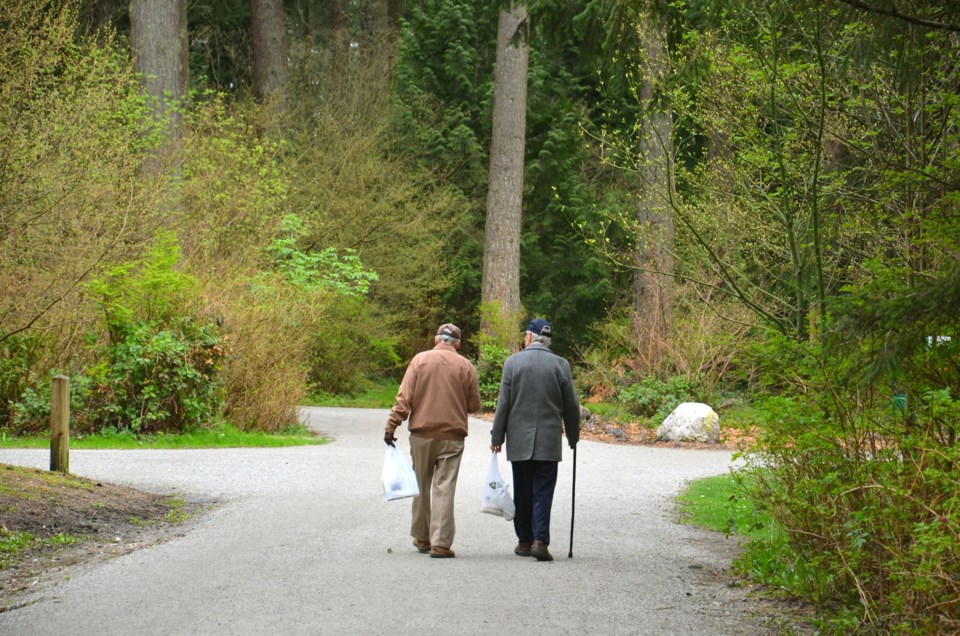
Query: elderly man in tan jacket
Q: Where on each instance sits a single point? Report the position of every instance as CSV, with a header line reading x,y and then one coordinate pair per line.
x,y
438,390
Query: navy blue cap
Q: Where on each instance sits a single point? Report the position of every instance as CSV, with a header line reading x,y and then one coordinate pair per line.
x,y
540,327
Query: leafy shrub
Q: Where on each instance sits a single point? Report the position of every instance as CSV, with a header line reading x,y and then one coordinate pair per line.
x,y
152,379
489,373
16,360
158,379
348,348
656,399
148,289
869,504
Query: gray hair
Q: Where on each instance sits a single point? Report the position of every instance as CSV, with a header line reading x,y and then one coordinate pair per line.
x,y
450,340
544,340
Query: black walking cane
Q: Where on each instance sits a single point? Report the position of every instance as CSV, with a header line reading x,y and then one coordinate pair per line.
x,y
573,500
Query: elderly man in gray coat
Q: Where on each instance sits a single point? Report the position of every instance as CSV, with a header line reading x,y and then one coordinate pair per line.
x,y
537,404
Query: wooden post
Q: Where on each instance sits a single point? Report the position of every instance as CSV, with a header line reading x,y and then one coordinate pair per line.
x,y
60,424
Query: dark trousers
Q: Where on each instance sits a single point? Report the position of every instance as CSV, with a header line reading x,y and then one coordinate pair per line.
x,y
533,483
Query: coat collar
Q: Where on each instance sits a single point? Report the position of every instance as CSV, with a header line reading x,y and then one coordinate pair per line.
x,y
538,346
443,346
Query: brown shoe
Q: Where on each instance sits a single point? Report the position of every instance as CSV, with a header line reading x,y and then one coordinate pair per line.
x,y
539,551
436,552
522,549
422,546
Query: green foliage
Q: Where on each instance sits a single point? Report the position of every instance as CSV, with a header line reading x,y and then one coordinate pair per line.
x,y
382,394
868,506
150,289
150,379
17,358
442,104
489,373
74,132
318,270
720,504
13,544
561,276
219,436
355,192
444,88
159,369
655,398
162,379
502,329
347,349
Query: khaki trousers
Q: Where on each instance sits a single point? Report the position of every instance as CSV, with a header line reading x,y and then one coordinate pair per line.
x,y
437,464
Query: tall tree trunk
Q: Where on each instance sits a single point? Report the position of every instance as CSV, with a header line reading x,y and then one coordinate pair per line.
x,y
501,248
654,283
158,36
269,51
394,13
336,16
337,43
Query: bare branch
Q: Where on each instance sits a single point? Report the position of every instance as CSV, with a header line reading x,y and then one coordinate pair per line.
x,y
893,12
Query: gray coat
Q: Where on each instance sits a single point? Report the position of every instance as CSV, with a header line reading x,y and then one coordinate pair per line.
x,y
537,405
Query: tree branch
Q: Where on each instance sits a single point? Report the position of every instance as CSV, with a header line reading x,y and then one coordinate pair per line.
x,y
895,13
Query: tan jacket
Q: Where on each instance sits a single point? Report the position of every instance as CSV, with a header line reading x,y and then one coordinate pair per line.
x,y
438,389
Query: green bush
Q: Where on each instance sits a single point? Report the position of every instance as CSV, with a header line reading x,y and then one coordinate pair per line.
x,y
159,379
656,399
158,369
16,360
489,373
869,503
349,348
153,379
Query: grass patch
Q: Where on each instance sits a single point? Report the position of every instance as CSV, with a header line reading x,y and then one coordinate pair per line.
x,y
720,504
611,411
381,395
224,436
12,544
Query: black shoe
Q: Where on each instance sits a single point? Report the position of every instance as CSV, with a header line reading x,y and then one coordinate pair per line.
x,y
539,551
522,549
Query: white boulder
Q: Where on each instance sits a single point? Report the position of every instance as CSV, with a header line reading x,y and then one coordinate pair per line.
x,y
690,422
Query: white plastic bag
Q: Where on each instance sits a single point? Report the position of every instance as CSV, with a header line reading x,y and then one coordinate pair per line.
x,y
496,498
399,480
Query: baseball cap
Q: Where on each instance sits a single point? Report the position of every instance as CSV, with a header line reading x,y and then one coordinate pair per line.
x,y
449,330
540,327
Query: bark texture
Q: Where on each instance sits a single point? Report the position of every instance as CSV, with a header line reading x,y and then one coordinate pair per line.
x,y
654,282
158,35
269,50
501,250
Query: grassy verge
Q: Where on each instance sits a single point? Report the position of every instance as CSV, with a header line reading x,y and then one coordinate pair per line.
x,y
379,396
719,504
224,436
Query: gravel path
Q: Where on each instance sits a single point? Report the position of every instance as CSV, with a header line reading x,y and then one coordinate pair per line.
x,y
303,543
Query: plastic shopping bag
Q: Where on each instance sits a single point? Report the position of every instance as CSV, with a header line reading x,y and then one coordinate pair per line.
x,y
399,480
496,498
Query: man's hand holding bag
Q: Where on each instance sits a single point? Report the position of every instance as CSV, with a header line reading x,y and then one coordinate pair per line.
x,y
496,499
399,480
